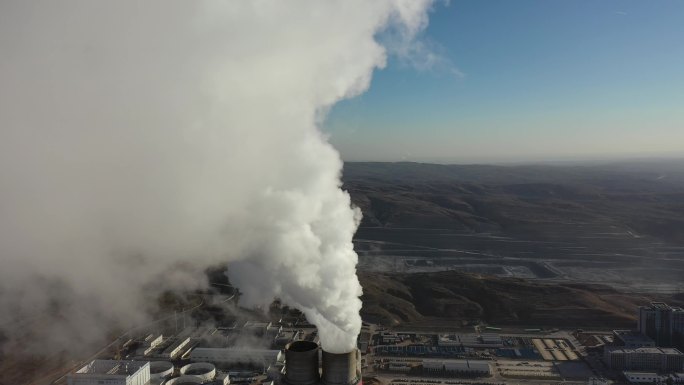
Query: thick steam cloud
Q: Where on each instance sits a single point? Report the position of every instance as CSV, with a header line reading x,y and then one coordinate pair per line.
x,y
142,141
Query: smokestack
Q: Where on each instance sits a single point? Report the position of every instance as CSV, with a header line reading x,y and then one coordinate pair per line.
x,y
341,368
301,366
301,363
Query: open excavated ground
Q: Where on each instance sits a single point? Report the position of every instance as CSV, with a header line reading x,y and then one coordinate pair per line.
x,y
620,224
454,298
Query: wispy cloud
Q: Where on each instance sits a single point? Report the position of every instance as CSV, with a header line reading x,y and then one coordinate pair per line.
x,y
409,44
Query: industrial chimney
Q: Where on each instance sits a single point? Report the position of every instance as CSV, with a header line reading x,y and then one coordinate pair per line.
x,y
301,363
341,369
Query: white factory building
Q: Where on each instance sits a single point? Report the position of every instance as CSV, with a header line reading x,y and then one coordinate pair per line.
x,y
484,340
665,360
235,356
110,372
653,378
176,348
475,367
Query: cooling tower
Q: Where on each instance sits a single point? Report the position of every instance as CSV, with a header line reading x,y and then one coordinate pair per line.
x,y
160,370
301,363
341,369
203,370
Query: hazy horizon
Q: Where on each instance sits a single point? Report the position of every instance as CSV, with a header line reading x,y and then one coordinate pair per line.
x,y
597,159
524,82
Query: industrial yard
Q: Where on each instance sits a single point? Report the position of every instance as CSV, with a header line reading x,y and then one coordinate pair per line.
x,y
477,357
286,351
556,224
199,355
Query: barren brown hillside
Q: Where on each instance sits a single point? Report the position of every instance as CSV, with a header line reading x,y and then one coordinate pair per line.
x,y
426,298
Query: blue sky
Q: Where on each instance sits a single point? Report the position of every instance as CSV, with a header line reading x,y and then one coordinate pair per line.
x,y
542,80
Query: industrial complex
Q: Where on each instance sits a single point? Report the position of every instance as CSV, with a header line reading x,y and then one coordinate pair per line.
x,y
287,352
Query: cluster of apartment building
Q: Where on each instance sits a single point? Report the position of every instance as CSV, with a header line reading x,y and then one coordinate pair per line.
x,y
663,323
651,349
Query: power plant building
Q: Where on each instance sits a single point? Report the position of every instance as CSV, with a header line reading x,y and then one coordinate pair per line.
x,y
111,372
485,340
632,339
224,357
176,349
663,360
653,378
151,343
471,367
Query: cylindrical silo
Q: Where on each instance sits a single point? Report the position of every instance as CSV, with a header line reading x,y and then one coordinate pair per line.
x,y
341,369
301,363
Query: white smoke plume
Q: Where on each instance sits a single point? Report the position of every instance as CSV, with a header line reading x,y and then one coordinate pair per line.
x,y
142,141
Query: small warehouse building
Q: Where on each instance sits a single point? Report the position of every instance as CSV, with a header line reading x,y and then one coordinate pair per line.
x,y
111,372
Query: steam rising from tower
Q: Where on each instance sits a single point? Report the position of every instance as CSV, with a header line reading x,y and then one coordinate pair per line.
x,y
141,142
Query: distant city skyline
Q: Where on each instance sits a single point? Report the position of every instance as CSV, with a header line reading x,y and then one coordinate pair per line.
x,y
528,80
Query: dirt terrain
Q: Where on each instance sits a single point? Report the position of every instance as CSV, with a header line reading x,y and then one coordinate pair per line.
x,y
452,297
615,223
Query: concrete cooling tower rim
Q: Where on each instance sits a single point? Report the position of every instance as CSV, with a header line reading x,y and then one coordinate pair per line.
x,y
160,369
302,346
205,371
